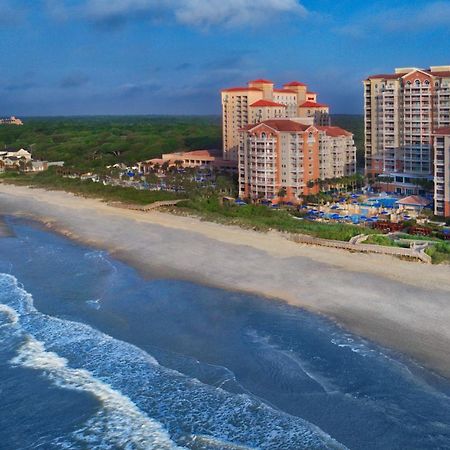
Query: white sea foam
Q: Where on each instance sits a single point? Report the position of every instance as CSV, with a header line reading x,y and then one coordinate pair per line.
x,y
118,423
11,315
129,382
287,354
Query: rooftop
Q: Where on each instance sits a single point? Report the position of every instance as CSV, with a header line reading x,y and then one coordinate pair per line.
x,y
414,200
267,103
335,131
261,81
243,88
294,83
311,104
435,71
280,125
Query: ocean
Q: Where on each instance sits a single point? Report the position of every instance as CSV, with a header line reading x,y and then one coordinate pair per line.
x,y
95,356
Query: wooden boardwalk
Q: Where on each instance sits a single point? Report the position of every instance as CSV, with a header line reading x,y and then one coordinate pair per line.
x,y
414,253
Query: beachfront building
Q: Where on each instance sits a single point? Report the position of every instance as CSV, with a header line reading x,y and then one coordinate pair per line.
x,y
283,159
442,171
337,153
278,158
193,159
402,110
259,101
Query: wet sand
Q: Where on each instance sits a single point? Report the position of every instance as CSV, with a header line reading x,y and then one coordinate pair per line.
x,y
399,304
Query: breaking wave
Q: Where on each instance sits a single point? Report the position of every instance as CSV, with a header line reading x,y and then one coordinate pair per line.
x,y
143,405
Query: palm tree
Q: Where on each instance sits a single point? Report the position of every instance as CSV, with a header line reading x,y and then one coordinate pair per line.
x,y
282,193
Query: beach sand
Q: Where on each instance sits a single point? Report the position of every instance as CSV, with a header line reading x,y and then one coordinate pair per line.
x,y
399,304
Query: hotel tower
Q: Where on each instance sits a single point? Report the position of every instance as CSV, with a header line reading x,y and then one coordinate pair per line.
x,y
259,101
283,141
403,110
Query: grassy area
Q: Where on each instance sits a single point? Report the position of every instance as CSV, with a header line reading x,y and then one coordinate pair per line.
x,y
262,218
49,180
440,252
94,142
380,239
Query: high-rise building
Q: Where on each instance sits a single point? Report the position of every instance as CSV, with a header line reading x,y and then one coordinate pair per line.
x,y
259,101
442,171
401,111
337,153
284,154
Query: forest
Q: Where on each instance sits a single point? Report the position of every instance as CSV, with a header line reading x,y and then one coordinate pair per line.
x,y
94,142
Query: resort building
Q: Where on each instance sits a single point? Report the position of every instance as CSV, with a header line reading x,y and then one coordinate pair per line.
x,y
259,101
11,121
402,110
277,155
288,157
192,159
442,171
337,153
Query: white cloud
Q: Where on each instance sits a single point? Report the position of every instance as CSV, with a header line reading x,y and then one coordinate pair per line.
x,y
413,19
234,12
195,13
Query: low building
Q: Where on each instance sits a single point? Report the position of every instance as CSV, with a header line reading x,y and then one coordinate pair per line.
x,y
414,203
21,159
442,172
11,121
192,159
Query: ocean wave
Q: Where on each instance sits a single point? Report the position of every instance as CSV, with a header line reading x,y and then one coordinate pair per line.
x,y
10,314
119,423
142,399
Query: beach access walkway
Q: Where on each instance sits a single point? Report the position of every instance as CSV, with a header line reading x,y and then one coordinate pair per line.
x,y
415,252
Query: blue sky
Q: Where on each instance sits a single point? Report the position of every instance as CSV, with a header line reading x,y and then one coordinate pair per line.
x,y
173,56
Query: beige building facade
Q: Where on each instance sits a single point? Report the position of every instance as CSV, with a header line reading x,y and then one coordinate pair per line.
x,y
259,101
402,110
337,153
442,172
285,154
278,154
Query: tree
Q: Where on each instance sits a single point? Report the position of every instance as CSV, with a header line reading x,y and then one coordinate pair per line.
x,y
282,193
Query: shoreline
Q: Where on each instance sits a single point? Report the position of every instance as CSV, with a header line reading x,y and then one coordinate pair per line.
x,y
398,304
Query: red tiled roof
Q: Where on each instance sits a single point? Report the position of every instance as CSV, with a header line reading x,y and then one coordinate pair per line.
x,y
263,103
394,76
442,130
280,125
261,81
414,200
335,131
387,76
310,104
284,91
294,83
246,88
440,74
197,153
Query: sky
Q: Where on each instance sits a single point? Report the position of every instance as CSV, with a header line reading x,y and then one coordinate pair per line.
x,y
87,57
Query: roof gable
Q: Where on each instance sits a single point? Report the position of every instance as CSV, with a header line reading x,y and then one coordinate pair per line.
x,y
267,103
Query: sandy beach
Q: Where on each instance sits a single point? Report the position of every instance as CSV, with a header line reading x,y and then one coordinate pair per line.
x,y
399,304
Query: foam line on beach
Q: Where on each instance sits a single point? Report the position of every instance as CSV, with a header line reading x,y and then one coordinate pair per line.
x,y
78,357
118,422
